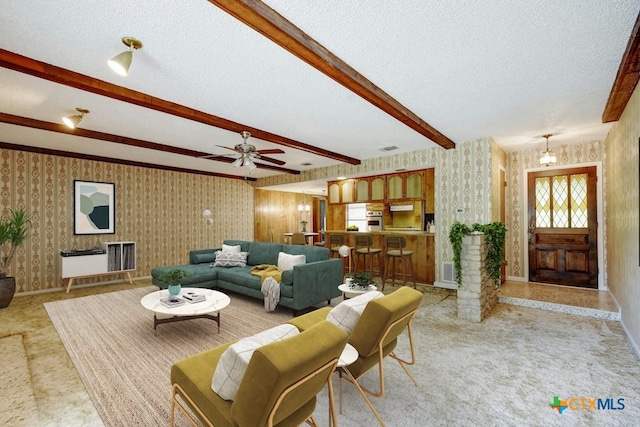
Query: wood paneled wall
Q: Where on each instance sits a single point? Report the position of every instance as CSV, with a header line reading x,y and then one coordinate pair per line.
x,y
276,213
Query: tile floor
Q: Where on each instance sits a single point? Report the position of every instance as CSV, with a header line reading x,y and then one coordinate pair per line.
x,y
580,301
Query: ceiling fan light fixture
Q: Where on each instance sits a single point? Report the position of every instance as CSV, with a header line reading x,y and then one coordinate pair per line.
x,y
237,163
249,164
121,62
548,157
73,121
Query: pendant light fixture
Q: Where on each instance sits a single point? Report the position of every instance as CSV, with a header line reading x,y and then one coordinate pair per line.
x,y
121,62
547,158
72,121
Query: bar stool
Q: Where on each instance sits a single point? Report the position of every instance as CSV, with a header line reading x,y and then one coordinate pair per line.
x,y
364,250
335,242
394,246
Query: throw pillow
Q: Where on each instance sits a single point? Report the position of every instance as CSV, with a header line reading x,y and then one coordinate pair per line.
x,y
346,314
231,259
235,359
286,261
227,248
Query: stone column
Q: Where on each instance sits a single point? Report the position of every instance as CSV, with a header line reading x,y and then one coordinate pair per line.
x,y
477,295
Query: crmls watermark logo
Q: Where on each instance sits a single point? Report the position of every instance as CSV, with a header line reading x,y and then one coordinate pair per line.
x,y
587,404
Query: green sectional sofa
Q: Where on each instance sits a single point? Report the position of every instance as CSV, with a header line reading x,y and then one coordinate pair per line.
x,y
304,286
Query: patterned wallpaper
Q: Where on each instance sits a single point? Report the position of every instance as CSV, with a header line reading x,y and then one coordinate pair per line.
x,y
160,210
622,220
516,203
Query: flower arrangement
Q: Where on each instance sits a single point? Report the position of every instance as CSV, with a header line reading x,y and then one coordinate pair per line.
x,y
304,225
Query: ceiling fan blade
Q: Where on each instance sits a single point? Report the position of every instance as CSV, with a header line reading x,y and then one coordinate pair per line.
x,y
269,159
228,148
271,151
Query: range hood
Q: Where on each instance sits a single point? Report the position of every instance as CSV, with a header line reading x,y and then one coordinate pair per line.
x,y
401,208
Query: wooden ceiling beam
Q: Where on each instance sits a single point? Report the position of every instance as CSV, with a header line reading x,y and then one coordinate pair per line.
x,y
118,139
20,63
70,154
626,79
279,30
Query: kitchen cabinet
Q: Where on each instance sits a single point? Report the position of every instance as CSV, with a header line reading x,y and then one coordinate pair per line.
x,y
377,188
405,186
334,192
362,190
429,187
341,191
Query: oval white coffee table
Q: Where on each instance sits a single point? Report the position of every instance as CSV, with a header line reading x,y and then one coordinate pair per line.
x,y
348,292
215,301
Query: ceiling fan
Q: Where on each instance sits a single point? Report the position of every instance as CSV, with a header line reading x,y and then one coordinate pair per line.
x,y
246,154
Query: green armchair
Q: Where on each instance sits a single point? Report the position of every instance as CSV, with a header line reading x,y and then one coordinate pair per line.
x,y
279,387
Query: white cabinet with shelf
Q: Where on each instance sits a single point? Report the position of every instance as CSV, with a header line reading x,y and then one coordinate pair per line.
x,y
119,258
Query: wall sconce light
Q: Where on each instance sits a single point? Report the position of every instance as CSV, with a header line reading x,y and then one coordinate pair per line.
x,y
304,208
208,217
547,158
72,121
121,62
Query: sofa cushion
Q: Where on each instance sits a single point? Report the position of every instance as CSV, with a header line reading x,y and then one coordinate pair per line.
x,y
287,277
233,362
263,253
240,276
346,314
313,253
230,259
286,261
203,257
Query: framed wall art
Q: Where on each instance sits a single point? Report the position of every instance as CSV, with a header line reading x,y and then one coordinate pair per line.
x,y
94,207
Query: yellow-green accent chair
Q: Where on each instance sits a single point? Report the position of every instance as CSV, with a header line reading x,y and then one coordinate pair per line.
x,y
279,387
375,335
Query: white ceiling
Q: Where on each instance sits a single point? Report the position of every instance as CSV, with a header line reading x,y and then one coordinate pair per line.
x,y
513,70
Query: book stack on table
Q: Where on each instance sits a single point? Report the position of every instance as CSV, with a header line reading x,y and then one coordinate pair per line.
x,y
194,297
172,301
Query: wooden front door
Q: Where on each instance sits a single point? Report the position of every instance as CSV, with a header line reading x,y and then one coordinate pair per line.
x,y
563,244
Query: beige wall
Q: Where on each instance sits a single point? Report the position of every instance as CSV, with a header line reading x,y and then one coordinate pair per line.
x,y
517,164
621,215
160,210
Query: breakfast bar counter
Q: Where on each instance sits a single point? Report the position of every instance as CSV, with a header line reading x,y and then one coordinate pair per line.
x,y
418,241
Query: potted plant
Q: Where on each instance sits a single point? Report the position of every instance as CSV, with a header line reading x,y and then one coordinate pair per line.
x,y
495,236
14,230
304,225
173,278
360,280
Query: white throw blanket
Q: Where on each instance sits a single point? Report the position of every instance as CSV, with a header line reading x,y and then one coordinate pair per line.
x,y
271,292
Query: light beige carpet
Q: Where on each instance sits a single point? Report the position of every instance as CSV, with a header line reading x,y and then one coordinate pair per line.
x,y
17,401
504,371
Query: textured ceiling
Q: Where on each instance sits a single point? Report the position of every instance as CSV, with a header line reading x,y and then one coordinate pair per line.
x,y
512,70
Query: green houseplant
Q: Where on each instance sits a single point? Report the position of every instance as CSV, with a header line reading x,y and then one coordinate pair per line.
x,y
495,236
360,280
14,230
173,278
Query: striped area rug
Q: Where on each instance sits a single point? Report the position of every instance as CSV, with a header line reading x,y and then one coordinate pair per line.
x,y
124,366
